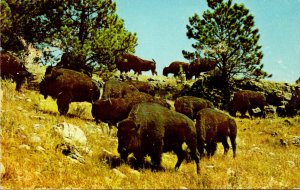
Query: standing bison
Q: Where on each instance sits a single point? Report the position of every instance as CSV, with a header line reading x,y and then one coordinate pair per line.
x,y
113,110
200,65
176,67
128,62
214,126
247,100
68,86
190,105
117,89
11,67
151,129
293,106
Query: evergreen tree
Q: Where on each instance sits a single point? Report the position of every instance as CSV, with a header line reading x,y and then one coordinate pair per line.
x,y
88,29
226,34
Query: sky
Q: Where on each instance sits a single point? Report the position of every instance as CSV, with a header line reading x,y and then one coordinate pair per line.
x,y
160,26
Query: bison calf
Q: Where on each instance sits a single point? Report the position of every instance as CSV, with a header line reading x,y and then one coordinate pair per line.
x,y
151,129
214,126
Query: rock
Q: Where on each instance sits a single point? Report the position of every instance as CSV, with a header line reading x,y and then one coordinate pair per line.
x,y
35,138
210,166
283,142
37,126
40,149
2,170
118,173
24,146
135,173
71,133
295,141
291,164
70,151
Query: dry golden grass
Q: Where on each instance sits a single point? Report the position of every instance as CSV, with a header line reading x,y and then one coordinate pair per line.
x,y
261,162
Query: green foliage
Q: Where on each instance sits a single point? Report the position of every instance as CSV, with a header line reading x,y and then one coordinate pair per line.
x,y
89,28
226,34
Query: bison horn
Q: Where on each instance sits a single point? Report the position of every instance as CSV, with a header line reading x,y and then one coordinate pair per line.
x,y
154,61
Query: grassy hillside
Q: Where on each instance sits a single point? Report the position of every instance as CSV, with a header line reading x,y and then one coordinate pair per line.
x,y
266,158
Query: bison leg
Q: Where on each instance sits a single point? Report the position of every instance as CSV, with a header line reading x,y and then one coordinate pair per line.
x,y
156,162
63,101
225,145
180,157
233,144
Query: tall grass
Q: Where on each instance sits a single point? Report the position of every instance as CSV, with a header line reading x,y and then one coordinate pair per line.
x,y
262,160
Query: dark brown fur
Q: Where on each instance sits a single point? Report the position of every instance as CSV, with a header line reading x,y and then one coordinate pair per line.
x,y
68,86
198,66
117,89
214,126
190,105
114,110
142,86
129,61
12,67
293,106
175,68
151,129
246,100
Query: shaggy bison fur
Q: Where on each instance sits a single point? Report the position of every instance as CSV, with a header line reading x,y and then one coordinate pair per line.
x,y
198,66
190,105
68,86
247,100
129,61
151,129
214,126
12,67
176,67
142,86
117,89
114,110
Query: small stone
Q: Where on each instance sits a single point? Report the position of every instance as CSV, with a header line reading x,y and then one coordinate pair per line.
x,y
24,146
210,166
37,126
182,187
291,164
118,173
40,149
296,141
35,139
135,172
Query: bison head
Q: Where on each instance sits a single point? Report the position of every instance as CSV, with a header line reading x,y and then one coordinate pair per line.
x,y
128,140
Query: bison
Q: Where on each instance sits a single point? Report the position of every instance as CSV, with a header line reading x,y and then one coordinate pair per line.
x,y
214,126
190,105
152,129
176,67
129,61
142,86
68,86
200,65
12,67
114,110
293,106
247,100
117,89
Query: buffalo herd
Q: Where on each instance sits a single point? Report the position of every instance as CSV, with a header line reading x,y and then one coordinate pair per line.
x,y
146,123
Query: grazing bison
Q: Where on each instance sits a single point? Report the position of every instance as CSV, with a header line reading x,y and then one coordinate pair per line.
x,y
68,86
114,110
190,105
117,89
214,126
151,129
128,62
142,86
198,66
247,100
11,67
176,67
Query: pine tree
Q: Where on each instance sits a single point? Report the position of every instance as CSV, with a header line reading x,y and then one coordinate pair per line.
x,y
226,34
89,29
